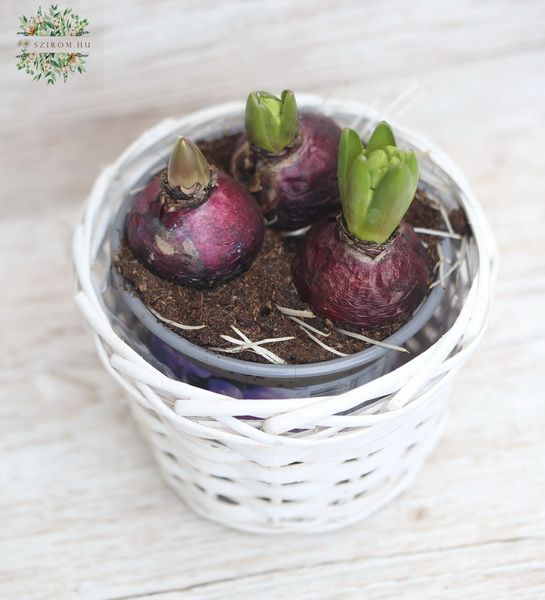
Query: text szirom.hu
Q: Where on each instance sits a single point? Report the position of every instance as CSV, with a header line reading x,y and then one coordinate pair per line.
x,y
52,44
59,45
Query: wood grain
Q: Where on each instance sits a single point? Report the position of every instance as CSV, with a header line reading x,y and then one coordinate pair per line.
x,y
83,512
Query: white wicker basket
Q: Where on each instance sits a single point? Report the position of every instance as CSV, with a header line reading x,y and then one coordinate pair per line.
x,y
312,464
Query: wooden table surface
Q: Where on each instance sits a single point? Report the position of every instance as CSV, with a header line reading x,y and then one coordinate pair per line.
x,y
83,511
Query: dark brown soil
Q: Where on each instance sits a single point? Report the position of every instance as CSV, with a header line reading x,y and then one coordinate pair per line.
x,y
218,152
459,222
249,302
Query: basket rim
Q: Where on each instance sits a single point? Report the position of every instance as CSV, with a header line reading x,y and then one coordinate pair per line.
x,y
405,381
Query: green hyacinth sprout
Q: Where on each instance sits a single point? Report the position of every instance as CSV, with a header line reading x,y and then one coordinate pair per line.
x,y
377,184
271,122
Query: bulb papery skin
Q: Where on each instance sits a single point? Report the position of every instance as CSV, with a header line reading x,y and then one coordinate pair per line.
x,y
197,246
359,285
298,186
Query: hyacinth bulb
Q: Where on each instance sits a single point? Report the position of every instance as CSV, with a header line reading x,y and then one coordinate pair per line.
x,y
369,268
194,225
288,160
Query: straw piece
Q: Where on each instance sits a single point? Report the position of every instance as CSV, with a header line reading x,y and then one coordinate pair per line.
x,y
447,274
264,352
308,326
446,218
271,222
320,343
260,343
236,350
437,232
364,338
441,269
292,312
296,232
173,323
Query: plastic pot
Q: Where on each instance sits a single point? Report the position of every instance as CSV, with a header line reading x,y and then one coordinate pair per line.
x,y
187,362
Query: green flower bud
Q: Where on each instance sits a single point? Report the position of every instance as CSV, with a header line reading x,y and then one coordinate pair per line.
x,y
271,122
377,160
377,184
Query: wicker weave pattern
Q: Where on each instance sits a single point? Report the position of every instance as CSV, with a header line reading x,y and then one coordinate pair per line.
x,y
303,466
